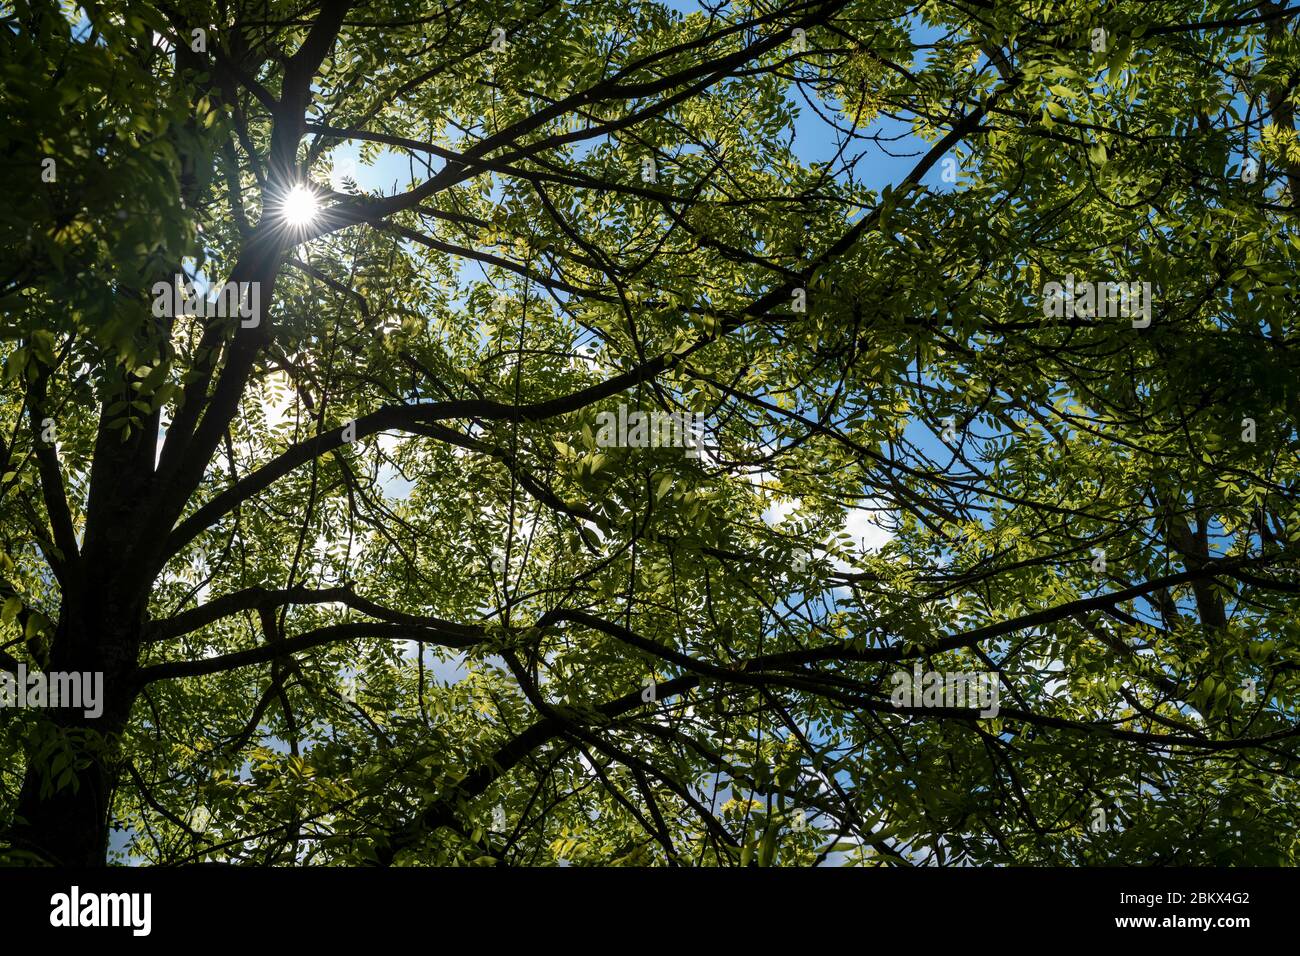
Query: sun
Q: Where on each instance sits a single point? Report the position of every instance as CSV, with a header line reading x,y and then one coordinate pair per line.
x,y
300,207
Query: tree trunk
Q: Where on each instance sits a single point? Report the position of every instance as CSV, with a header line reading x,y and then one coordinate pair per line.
x,y
68,826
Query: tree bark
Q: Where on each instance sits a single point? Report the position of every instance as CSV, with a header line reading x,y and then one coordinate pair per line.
x,y
68,826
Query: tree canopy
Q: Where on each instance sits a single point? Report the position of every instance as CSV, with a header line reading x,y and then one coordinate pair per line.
x,y
367,582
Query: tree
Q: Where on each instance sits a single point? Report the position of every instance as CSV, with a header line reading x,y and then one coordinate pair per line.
x,y
406,551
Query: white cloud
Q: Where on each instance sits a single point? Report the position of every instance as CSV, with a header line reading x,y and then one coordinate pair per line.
x,y
862,526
